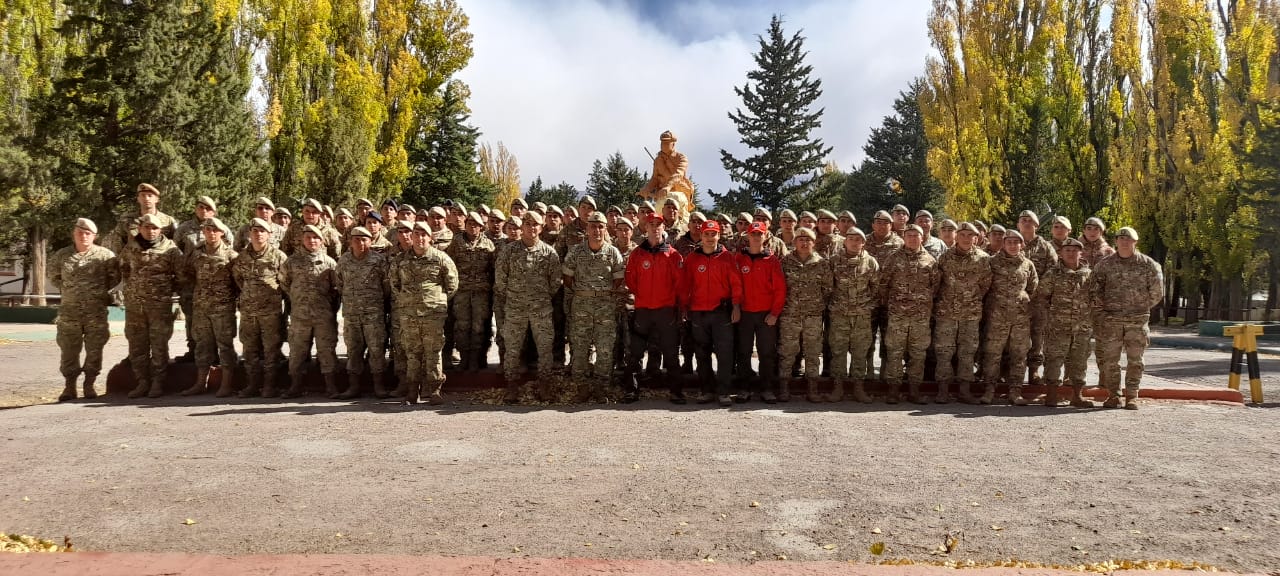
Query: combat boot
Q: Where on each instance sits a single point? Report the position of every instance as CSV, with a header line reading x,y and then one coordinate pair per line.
x,y
1033,379
513,392
1077,397
631,385
1051,394
583,387
412,391
784,390
226,384
1130,400
837,391
436,398
988,393
89,392
944,395
379,389
860,392
1015,396
811,390
269,384
68,390
251,389
966,392
140,390
202,379
157,386
1113,399
331,385
353,387
894,393
913,393
295,385
402,387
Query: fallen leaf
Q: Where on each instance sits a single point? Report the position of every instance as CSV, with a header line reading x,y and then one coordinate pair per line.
x,y
338,535
877,548
25,499
635,466
875,531
781,556
1225,528
515,548
937,508
188,521
755,504
997,528
588,544
1077,547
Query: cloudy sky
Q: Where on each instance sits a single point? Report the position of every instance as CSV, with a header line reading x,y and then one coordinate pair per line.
x,y
565,82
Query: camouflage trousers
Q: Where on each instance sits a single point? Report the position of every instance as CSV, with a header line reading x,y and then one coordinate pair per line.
x,y
955,342
365,333
186,303
398,357
324,332
514,325
1006,334
499,317
215,334
909,337
1035,354
471,320
1066,346
148,327
422,338
260,336
850,338
89,332
594,325
1116,335
559,324
798,334
879,321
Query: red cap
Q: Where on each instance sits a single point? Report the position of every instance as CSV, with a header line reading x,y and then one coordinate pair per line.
x,y
757,227
710,225
654,217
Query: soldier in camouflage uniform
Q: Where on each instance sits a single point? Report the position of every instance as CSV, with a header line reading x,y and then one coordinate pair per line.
x,y
423,281
965,273
932,244
474,255
403,233
83,273
593,271
312,213
787,229
1064,294
828,241
908,282
1122,290
257,271
361,281
1008,330
379,242
309,278
853,302
263,209
624,301
1060,232
528,277
208,271
901,216
189,237
809,285
149,266
880,244
1095,242
127,227
1043,256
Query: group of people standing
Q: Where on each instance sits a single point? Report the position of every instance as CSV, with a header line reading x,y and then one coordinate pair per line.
x,y
419,290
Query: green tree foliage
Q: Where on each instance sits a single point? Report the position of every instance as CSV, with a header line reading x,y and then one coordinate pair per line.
x,y
562,194
777,124
442,159
896,150
613,182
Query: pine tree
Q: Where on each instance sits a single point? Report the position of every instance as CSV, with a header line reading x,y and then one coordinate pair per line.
x,y
777,123
613,182
896,150
442,159
562,194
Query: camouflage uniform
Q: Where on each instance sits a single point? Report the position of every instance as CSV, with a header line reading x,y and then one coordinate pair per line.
x,y
189,237
441,239
809,284
624,307
594,322
1095,251
908,282
365,291
213,316
150,275
934,246
1122,292
826,245
853,302
258,276
527,279
880,249
292,242
127,228
965,279
1043,256
310,281
1063,294
242,237
423,284
474,259
1013,281
83,279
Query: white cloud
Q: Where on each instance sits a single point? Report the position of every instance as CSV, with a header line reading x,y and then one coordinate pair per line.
x,y
566,82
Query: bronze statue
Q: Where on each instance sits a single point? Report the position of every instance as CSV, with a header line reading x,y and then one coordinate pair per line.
x,y
670,174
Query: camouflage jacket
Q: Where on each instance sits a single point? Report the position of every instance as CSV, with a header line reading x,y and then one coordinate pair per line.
x,y
292,242
242,237
441,239
423,282
1013,281
809,284
934,246
908,282
363,284
475,260
527,277
857,279
127,227
1126,288
881,249
572,234
827,244
211,279
310,280
966,277
190,236
84,279
258,275
1095,251
1064,294
594,273
1041,253
150,274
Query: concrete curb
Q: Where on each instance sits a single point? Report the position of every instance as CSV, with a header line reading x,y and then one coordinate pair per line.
x,y
1203,343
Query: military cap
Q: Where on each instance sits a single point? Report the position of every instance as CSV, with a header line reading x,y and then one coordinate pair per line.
x,y
1095,221
555,210
570,212
667,136
786,213
1031,215
710,225
407,225
540,207
390,202
807,233
997,228
516,221
457,205
1014,234
764,213
484,209
328,210
313,204
672,201
900,208
207,202
1063,221
149,220
423,227
264,201
496,213
535,217
913,228
364,202
968,227
808,214
950,224
283,210
144,187
407,208
373,215
521,203
855,232
882,215
632,208
1127,232
613,210
849,215
743,217
589,201
259,223
758,228
698,216
980,225
217,224
310,229
424,213
437,211
475,217
597,218
86,224
625,222
647,205
1072,242
345,212
825,214
924,213
360,231
723,219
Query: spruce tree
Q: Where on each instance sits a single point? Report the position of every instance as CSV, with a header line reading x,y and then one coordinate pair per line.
x,y
442,159
562,194
777,123
613,182
898,149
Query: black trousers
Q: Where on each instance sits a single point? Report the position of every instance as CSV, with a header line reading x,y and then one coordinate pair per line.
x,y
659,326
752,331
713,334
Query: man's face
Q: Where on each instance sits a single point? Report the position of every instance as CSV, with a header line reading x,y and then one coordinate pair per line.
x,y
845,223
408,216
212,236
611,218
695,225
1126,246
1070,256
495,225
553,221
1092,232
710,238
388,213
996,240
511,230
82,238
1060,232
204,212
965,239
259,237
147,200
421,240
374,226
807,222
435,221
804,246
756,241
149,232
631,215
925,223
1012,245
518,211
1027,225
263,211
405,237
622,234
947,235
854,244
585,211
826,225
912,239
474,229
669,211
344,221
360,245
880,226
656,229
530,230
596,231
312,242
668,146
787,223
282,219
900,218
362,210
310,215
456,217
741,225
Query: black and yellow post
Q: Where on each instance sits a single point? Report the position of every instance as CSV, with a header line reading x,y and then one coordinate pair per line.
x,y
1244,346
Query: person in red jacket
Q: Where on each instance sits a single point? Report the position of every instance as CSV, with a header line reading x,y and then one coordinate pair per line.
x,y
653,275
764,292
713,288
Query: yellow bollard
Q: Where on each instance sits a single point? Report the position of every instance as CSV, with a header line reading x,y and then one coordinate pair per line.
x,y
1244,348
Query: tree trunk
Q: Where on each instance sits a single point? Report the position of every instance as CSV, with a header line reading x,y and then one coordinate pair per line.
x,y
1273,284
37,248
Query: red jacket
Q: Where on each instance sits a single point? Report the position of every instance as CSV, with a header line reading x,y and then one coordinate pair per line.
x,y
763,285
654,275
709,279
